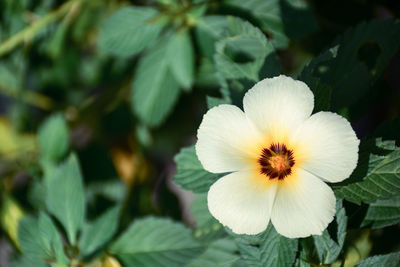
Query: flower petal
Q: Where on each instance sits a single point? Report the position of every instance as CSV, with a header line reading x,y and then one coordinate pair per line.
x,y
278,105
237,201
225,138
331,145
304,205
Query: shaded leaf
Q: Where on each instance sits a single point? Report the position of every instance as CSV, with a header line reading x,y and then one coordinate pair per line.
x,y
181,58
360,56
388,260
382,181
383,213
328,248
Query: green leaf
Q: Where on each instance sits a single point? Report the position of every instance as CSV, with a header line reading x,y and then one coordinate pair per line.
x,y
388,260
53,138
190,174
267,249
382,181
181,58
29,238
207,227
50,239
24,260
154,89
96,234
208,31
65,197
216,101
129,30
383,213
268,15
156,242
363,53
39,240
219,253
243,52
322,91
328,248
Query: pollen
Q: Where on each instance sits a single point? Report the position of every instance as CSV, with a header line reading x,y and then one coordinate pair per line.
x,y
276,161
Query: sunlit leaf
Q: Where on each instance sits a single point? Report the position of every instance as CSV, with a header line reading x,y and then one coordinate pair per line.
x,y
207,227
383,213
190,174
65,197
267,249
219,253
154,89
129,30
97,233
53,138
181,58
156,242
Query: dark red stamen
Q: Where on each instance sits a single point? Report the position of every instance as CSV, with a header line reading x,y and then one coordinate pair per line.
x,y
276,161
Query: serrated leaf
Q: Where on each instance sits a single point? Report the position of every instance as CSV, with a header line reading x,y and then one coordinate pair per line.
x,y
181,58
388,260
95,234
382,182
156,242
65,197
243,52
207,227
154,89
268,15
129,30
267,249
383,213
328,249
53,138
190,174
210,29
219,253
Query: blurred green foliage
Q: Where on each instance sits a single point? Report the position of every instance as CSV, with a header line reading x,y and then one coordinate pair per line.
x,y
100,99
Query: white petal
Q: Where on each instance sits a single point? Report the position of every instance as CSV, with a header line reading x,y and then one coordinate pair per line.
x,y
225,138
304,205
331,146
239,202
278,105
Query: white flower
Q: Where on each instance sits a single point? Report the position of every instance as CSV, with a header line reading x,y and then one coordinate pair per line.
x,y
279,157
